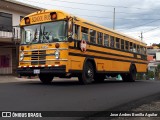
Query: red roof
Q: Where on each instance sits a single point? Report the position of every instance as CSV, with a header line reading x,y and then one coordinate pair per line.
x,y
150,57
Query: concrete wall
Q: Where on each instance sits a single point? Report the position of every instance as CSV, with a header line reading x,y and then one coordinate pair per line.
x,y
157,55
7,37
8,52
7,46
15,16
15,22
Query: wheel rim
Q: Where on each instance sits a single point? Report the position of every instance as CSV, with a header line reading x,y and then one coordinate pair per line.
x,y
89,72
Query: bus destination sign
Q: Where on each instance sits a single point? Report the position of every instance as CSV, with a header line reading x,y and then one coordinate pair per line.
x,y
40,18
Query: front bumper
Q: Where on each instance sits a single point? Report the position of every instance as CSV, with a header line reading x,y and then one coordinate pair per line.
x,y
29,71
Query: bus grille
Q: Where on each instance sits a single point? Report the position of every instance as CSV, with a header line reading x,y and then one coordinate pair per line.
x,y
38,57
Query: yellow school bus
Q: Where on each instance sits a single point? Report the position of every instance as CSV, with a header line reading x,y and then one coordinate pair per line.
x,y
57,44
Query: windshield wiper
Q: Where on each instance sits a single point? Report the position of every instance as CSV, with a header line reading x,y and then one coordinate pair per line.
x,y
43,35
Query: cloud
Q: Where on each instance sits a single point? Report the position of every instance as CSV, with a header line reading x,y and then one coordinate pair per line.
x,y
132,16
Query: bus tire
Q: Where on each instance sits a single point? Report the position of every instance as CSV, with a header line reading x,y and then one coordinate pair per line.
x,y
46,79
87,75
131,76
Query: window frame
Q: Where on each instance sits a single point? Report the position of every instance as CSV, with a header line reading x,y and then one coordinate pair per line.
x,y
85,33
117,44
7,18
94,36
112,40
99,38
106,39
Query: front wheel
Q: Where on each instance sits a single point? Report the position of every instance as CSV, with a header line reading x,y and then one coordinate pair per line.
x,y
87,75
46,79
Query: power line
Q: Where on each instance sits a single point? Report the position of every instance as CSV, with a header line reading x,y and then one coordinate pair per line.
x,y
118,18
152,29
142,24
84,9
100,5
97,16
154,20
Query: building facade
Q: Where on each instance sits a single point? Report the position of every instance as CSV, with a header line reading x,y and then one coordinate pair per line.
x,y
11,12
153,57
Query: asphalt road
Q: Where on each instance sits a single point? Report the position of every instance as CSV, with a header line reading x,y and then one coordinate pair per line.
x,y
68,95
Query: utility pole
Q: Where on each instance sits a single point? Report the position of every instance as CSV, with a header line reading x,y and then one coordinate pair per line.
x,y
114,19
141,36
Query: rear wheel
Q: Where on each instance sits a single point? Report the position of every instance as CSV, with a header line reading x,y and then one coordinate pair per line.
x,y
131,76
46,79
87,75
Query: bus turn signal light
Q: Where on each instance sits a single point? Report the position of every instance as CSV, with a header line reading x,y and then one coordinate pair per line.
x,y
57,45
22,48
27,20
53,15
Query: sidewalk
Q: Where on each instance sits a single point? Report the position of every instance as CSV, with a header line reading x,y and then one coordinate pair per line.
x,y
10,78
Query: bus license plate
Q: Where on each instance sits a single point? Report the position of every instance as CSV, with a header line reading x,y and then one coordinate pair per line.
x,y
36,71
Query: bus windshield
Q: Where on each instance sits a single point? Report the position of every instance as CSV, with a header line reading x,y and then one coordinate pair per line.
x,y
44,33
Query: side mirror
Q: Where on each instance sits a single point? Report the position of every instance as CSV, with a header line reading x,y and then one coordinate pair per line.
x,y
70,39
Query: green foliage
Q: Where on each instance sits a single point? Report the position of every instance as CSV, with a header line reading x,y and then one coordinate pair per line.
x,y
158,67
139,76
150,74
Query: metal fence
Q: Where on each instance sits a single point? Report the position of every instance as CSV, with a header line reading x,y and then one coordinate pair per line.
x,y
15,34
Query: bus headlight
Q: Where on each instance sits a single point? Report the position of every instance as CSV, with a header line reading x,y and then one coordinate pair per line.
x,y
21,56
57,54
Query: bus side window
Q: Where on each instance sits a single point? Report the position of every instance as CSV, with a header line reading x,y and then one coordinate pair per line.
x,y
112,41
126,45
138,50
99,38
117,43
106,40
122,44
134,48
145,50
131,47
142,50
84,33
76,32
92,36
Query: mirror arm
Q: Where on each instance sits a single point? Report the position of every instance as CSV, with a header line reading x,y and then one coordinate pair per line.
x,y
70,39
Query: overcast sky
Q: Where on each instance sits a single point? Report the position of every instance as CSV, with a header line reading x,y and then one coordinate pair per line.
x,y
131,16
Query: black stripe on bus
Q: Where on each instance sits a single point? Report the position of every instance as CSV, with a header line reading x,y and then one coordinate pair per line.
x,y
105,58
106,53
39,55
77,45
102,72
110,72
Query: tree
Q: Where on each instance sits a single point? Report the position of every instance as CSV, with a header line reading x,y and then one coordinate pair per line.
x,y
158,67
150,74
158,71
